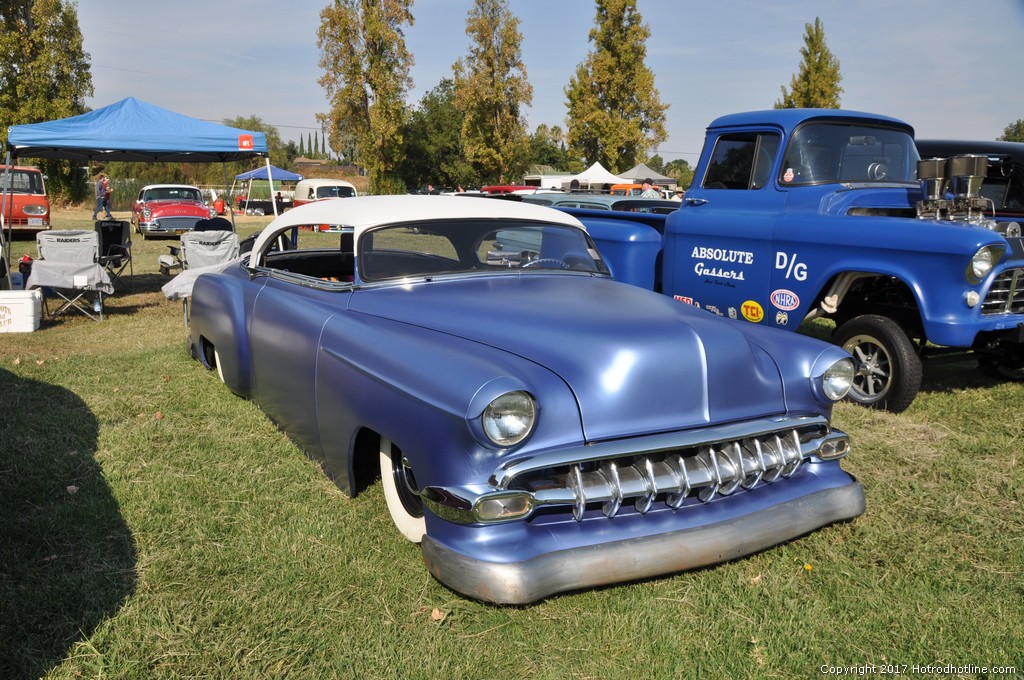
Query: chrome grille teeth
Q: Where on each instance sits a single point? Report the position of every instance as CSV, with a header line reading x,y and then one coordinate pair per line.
x,y
714,470
611,474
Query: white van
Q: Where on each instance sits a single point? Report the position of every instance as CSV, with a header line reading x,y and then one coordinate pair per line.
x,y
312,190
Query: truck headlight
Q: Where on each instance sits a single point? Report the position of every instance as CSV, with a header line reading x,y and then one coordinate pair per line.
x,y
35,209
837,379
509,418
982,263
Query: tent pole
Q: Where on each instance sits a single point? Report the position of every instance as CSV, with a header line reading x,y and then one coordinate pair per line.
x,y
6,254
227,196
270,178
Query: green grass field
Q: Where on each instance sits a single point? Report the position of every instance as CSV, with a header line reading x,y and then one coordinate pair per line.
x,y
155,525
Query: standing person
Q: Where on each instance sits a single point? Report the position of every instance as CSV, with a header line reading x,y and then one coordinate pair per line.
x,y
101,195
106,196
648,190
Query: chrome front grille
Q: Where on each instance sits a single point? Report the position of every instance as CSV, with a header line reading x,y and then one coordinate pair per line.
x,y
670,477
176,223
1006,295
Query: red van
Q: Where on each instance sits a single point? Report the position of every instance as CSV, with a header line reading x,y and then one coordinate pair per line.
x,y
25,206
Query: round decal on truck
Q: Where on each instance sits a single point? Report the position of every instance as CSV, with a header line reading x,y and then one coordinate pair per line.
x,y
752,311
786,300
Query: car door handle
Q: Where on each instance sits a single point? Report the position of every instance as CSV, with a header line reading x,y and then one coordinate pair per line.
x,y
696,201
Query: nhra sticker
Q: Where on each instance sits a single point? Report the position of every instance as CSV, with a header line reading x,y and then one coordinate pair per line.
x,y
752,311
786,300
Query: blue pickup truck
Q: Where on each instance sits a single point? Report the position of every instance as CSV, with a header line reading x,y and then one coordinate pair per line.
x,y
804,213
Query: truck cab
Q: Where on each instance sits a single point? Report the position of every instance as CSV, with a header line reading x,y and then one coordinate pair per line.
x,y
803,213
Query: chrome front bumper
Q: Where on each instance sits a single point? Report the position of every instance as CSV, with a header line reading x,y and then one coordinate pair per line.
x,y
638,558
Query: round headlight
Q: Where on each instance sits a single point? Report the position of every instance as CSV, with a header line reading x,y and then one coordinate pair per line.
x,y
508,419
837,379
981,264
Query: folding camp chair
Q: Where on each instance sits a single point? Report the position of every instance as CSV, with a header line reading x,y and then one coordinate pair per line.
x,y
175,261
68,266
116,249
202,250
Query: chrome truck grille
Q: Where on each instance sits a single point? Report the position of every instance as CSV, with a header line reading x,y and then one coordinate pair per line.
x,y
1006,296
670,477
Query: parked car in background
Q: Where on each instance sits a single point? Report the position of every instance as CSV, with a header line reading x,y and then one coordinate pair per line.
x,y
537,426
603,202
26,209
1004,180
169,209
312,190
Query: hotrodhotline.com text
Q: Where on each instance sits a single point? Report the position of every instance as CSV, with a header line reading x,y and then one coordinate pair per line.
x,y
916,669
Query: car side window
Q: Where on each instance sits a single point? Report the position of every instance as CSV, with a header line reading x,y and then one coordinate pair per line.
x,y
741,161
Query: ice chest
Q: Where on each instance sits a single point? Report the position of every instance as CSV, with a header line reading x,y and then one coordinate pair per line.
x,y
20,310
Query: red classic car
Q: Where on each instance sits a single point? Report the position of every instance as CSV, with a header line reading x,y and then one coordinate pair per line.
x,y
169,209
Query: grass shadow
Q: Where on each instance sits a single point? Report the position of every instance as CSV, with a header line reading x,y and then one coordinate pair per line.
x,y
67,557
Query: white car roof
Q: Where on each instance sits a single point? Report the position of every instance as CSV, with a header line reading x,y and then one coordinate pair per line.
x,y
169,186
363,212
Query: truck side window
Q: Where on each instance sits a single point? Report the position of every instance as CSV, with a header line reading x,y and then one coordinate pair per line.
x,y
741,161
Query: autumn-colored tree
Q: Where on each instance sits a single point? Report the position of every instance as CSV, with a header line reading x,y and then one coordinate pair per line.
x,y
615,113
44,75
366,76
1014,132
816,83
491,90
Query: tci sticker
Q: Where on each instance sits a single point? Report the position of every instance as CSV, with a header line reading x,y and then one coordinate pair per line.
x,y
752,311
786,300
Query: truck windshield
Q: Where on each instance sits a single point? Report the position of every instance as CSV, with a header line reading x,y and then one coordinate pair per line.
x,y
22,182
823,153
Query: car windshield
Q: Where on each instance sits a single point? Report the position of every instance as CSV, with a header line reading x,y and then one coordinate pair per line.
x,y
820,153
335,192
172,194
435,248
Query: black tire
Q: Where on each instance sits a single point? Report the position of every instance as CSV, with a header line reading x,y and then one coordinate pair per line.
x,y
888,368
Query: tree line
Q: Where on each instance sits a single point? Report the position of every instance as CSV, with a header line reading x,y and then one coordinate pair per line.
x,y
468,130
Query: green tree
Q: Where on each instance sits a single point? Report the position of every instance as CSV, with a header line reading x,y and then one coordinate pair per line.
x,y
44,75
615,112
491,90
433,134
816,83
547,147
1014,132
681,170
366,76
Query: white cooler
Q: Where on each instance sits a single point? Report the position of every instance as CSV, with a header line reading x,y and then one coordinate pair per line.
x,y
20,310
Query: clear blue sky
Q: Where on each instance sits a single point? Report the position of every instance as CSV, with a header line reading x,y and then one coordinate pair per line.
x,y
951,69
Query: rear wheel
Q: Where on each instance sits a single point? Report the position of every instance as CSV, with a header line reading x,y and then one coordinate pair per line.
x,y
888,368
401,492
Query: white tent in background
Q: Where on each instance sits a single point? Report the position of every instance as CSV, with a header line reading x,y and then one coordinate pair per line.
x,y
638,173
594,177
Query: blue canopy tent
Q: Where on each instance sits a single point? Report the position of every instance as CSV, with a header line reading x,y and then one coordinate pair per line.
x,y
133,130
271,173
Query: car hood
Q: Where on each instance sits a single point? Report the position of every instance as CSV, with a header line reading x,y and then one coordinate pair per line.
x,y
177,207
638,362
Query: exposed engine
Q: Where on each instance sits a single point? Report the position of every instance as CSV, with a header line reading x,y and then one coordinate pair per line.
x,y
951,188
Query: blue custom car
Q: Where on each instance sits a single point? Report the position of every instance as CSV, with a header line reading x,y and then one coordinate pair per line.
x,y
537,426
